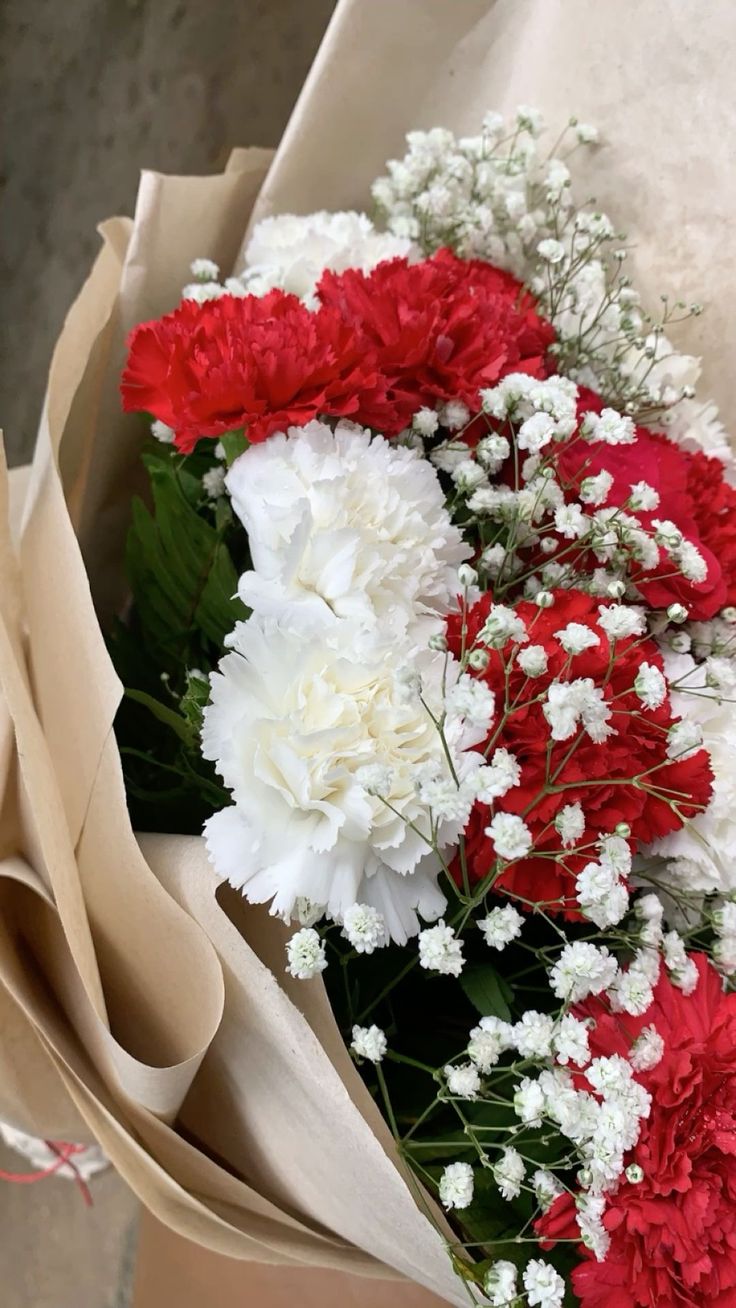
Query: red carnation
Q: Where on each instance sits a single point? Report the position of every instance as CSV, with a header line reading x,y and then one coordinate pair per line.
x,y
262,364
443,329
673,1234
692,495
714,510
601,777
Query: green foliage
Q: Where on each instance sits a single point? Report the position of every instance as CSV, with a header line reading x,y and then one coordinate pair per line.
x,y
233,443
183,557
181,573
487,990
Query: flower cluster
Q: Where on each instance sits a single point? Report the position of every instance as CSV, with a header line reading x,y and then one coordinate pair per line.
x,y
669,1229
503,197
377,346
588,724
477,704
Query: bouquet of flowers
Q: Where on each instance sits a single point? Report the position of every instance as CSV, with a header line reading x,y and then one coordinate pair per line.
x,y
431,632
408,579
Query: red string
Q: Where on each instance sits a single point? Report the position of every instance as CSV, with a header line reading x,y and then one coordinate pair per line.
x,y
64,1158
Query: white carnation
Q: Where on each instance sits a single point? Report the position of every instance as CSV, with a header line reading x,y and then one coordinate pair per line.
x,y
292,725
291,252
342,527
701,854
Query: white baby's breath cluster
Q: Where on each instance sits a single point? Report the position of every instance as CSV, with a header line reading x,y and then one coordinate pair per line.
x,y
537,513
501,196
595,1104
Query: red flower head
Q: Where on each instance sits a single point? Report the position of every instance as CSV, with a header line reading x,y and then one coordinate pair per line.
x,y
627,777
692,495
263,364
714,511
443,329
672,1234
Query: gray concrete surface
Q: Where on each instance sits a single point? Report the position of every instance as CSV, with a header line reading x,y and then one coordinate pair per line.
x,y
91,92
55,1252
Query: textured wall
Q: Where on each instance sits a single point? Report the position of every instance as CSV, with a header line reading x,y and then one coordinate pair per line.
x,y
95,90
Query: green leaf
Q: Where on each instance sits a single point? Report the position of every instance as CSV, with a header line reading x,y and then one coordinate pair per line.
x,y
194,699
165,714
181,573
233,443
494,1223
486,990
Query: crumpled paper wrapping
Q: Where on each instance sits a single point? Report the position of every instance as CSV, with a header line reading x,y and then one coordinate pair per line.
x,y
142,1005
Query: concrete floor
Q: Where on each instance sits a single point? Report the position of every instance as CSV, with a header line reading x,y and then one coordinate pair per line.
x,y
92,91
55,1252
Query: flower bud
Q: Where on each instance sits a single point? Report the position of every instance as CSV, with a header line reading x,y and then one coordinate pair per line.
x,y
544,599
677,613
479,659
466,576
634,1173
680,643
438,641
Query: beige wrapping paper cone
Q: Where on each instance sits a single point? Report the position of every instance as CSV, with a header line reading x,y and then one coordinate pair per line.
x,y
172,1270
145,1000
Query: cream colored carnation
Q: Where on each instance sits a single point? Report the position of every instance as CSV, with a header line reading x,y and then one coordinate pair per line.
x,y
322,754
291,252
701,853
345,528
